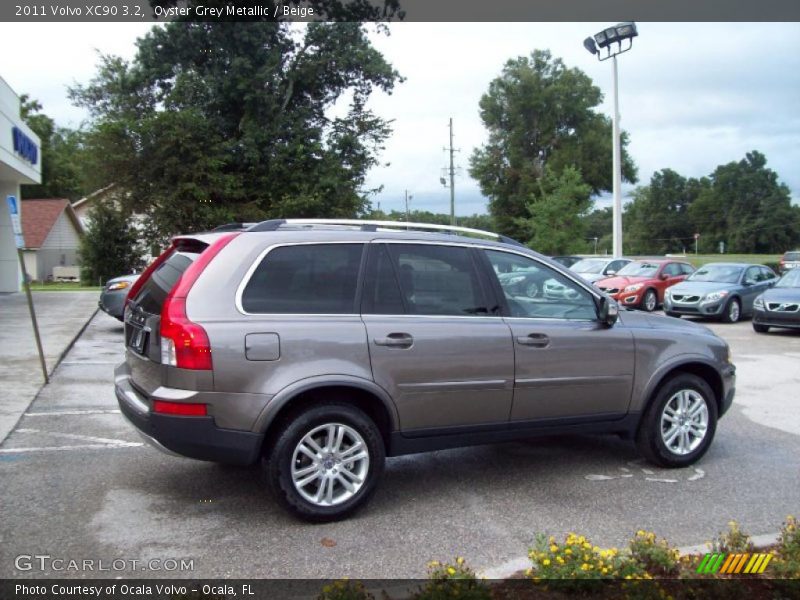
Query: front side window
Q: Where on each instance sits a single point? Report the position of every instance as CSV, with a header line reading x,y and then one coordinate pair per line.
x,y
534,290
305,279
673,270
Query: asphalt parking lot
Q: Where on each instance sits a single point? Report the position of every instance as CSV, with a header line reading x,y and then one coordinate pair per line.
x,y
79,484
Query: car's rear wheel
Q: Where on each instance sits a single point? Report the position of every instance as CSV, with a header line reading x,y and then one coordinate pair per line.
x,y
760,328
732,311
678,427
650,301
326,462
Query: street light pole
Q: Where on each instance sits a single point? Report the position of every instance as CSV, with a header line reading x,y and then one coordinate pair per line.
x,y
617,166
604,45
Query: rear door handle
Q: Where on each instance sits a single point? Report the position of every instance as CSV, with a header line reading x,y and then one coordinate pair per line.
x,y
537,340
395,340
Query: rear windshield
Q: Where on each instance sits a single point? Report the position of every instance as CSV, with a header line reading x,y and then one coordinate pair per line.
x,y
156,289
791,256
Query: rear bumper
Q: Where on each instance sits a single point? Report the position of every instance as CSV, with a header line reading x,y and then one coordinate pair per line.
x,y
192,437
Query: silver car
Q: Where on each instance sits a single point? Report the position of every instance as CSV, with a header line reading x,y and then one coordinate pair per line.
x,y
319,348
595,269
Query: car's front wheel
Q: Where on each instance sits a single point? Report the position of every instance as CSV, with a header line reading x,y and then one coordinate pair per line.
x,y
326,462
650,301
678,427
732,311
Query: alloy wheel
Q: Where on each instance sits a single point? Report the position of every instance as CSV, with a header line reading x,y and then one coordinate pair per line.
x,y
684,422
330,464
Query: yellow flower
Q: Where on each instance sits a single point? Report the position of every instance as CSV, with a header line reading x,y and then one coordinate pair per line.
x,y
460,560
433,563
604,571
560,560
451,570
546,562
554,548
568,551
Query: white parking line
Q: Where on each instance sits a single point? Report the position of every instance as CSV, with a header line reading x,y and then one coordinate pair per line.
x,y
60,413
60,448
83,438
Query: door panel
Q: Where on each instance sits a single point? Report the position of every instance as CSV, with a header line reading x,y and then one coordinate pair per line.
x,y
567,364
456,371
433,343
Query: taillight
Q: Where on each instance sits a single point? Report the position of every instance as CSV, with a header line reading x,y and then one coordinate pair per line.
x,y
184,344
180,408
137,285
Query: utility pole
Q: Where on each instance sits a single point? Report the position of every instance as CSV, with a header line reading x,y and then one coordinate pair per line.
x,y
452,179
408,199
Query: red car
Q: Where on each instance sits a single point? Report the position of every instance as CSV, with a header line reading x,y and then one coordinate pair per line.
x,y
641,283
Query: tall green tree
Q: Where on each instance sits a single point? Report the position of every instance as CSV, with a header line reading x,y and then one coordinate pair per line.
x,y
61,154
554,224
110,246
213,122
747,208
657,220
539,113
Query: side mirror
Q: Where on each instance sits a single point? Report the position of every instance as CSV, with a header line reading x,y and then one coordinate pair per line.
x,y
608,311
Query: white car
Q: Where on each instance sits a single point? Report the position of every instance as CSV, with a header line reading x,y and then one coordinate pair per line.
x,y
595,269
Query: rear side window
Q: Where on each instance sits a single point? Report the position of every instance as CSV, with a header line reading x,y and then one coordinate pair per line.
x,y
305,279
421,279
156,289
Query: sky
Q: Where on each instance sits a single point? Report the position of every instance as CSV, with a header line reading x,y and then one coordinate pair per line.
x,y
692,95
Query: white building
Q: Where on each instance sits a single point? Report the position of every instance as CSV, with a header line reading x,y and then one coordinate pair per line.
x,y
20,162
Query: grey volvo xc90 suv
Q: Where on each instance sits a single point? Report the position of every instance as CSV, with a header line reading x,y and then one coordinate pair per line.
x,y
319,348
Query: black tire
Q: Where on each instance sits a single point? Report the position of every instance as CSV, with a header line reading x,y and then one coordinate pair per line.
x,y
278,464
650,300
650,439
732,311
760,328
673,314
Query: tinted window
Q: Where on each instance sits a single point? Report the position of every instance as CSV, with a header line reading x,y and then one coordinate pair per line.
x,y
534,290
687,269
767,274
673,270
305,279
752,275
157,288
419,279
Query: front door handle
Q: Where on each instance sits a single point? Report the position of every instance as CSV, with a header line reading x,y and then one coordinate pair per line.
x,y
395,340
537,340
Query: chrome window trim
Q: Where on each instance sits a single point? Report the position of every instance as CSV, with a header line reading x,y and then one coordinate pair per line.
x,y
262,255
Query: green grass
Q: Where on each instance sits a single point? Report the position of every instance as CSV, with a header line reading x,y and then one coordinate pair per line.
x,y
64,286
757,259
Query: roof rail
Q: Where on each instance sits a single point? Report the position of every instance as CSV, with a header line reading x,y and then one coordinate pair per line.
x,y
368,225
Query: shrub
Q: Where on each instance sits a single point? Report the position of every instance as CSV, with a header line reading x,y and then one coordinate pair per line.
x,y
732,541
110,246
345,589
455,580
655,556
788,550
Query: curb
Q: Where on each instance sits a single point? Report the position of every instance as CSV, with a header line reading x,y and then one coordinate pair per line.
x,y
515,565
50,373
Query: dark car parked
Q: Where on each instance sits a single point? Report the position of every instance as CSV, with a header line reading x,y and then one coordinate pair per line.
x,y
112,298
567,261
779,306
724,291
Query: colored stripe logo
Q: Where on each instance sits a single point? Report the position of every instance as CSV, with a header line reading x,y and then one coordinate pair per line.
x,y
734,564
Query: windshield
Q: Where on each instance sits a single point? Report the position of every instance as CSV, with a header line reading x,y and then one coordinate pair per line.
x,y
639,269
716,273
790,280
791,256
589,265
